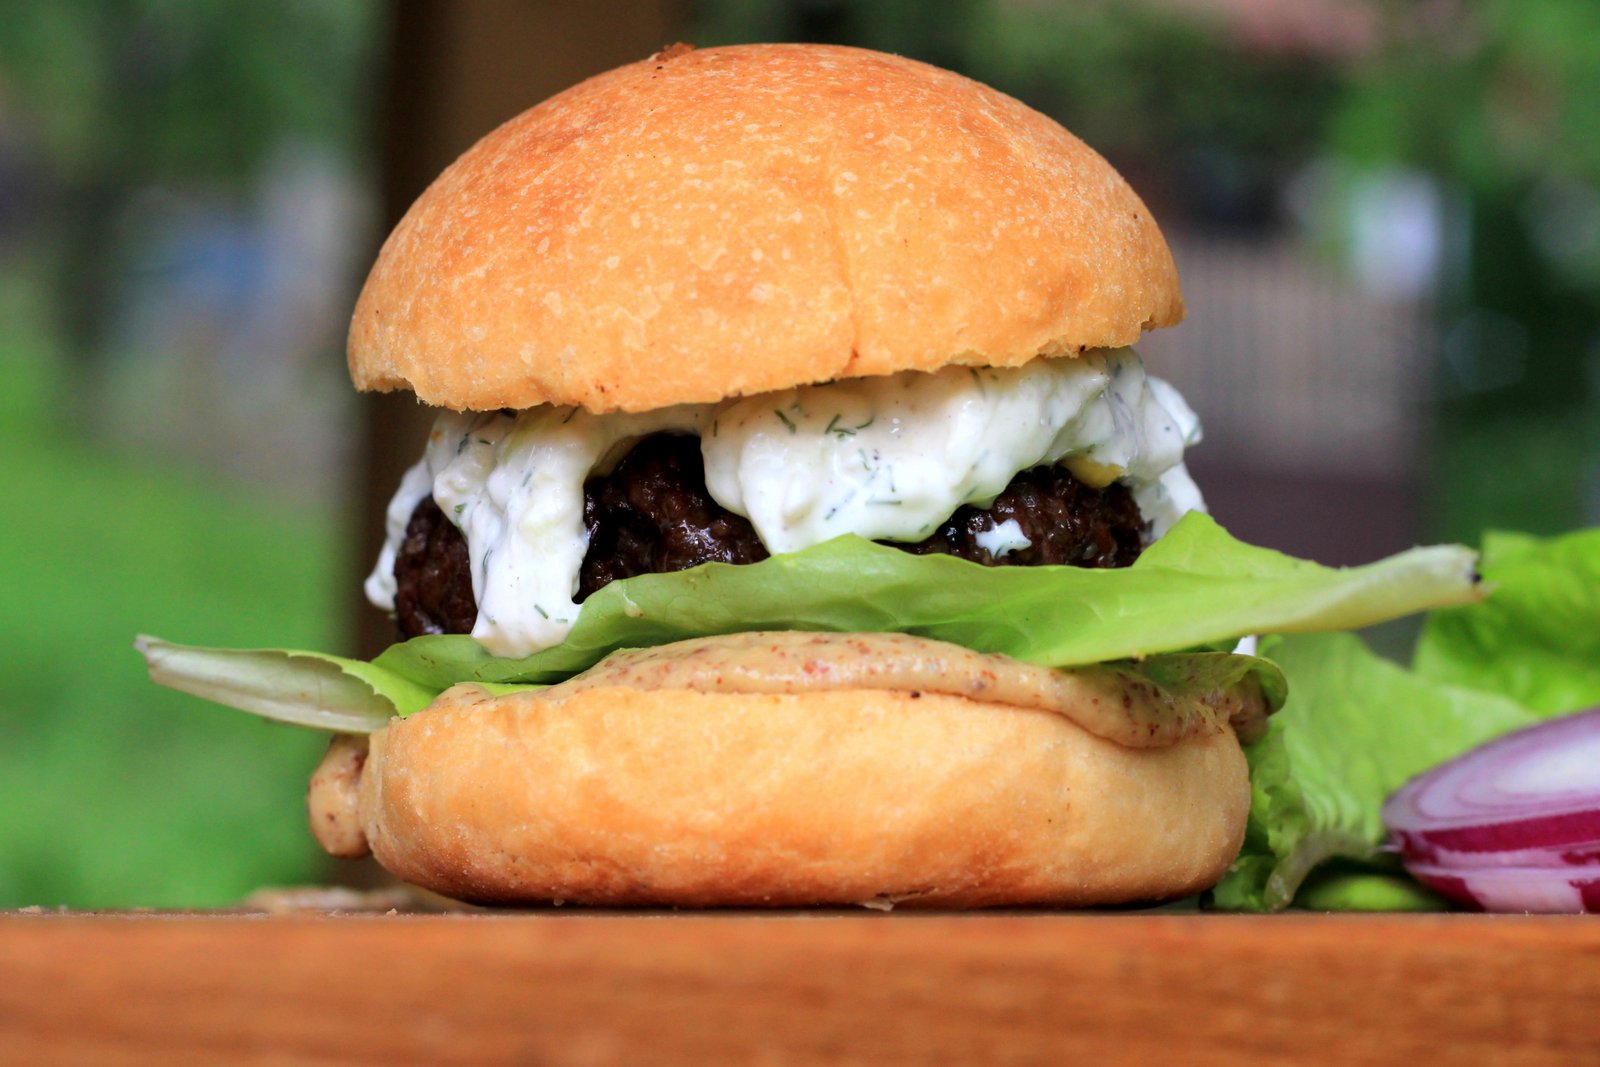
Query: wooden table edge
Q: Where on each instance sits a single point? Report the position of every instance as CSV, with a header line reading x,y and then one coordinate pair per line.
x,y
573,986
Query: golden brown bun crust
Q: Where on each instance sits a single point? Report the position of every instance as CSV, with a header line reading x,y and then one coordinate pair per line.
x,y
736,220
623,796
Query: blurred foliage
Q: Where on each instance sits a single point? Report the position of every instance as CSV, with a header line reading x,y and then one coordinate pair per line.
x,y
130,95
1131,77
1524,471
1500,99
1504,102
165,90
1497,93
114,792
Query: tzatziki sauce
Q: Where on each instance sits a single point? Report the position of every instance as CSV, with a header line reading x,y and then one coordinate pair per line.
x,y
886,458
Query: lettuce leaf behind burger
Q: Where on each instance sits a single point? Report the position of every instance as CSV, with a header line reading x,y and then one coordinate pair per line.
x,y
1196,588
1357,726
1354,728
1536,639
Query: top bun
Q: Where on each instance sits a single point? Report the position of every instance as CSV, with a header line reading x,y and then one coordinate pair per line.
x,y
725,221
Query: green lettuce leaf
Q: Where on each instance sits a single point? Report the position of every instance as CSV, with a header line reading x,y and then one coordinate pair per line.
x,y
287,685
1537,638
1196,588
1338,887
1356,726
1354,729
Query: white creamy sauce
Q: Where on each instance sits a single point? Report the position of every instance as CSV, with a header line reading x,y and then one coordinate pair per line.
x,y
1002,540
886,458
514,485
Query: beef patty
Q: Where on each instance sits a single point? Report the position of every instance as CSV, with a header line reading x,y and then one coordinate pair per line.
x,y
652,514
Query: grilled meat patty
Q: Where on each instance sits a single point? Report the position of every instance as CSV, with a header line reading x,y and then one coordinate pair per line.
x,y
652,514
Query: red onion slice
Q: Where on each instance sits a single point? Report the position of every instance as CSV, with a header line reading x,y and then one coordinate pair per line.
x,y
1542,890
1417,848
1513,825
1535,788
1573,829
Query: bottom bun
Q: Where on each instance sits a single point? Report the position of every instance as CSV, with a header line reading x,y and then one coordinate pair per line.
x,y
623,796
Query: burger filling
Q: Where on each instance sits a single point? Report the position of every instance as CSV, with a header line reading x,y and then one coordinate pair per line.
x,y
653,514
512,519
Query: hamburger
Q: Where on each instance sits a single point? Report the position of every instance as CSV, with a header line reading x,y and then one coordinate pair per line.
x,y
798,526
734,302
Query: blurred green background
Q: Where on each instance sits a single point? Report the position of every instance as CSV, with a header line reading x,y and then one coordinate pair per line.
x,y
1387,215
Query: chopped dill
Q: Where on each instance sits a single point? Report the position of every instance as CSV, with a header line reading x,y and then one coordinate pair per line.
x,y
842,432
851,495
785,420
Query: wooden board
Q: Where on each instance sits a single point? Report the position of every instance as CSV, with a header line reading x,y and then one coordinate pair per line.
x,y
557,988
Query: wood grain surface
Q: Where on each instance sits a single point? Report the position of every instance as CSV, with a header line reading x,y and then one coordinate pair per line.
x,y
799,988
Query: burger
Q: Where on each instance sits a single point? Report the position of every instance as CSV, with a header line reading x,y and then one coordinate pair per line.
x,y
726,305
797,526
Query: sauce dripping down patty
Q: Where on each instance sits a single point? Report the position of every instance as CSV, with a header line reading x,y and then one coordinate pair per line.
x,y
652,514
